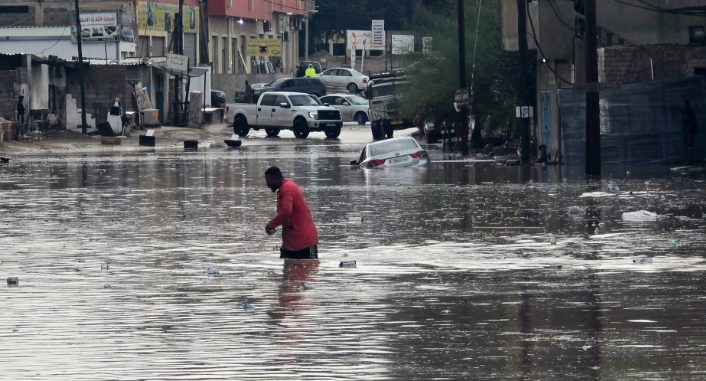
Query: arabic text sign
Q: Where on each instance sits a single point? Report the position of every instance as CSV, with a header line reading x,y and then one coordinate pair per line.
x,y
160,16
97,27
178,63
264,47
378,34
362,40
143,99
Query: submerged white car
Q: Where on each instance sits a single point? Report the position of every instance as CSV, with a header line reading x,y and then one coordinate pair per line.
x,y
397,152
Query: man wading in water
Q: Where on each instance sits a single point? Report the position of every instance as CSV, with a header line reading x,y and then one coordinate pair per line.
x,y
299,235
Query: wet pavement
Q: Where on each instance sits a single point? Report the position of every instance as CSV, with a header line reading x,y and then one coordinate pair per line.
x,y
457,272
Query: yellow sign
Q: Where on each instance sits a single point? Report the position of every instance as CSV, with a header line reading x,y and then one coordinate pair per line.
x,y
160,16
264,48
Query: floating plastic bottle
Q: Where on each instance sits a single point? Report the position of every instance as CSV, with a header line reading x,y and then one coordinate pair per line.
x,y
210,271
347,264
642,260
248,307
305,287
674,241
557,266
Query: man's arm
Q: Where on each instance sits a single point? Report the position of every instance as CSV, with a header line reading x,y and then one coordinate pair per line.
x,y
284,213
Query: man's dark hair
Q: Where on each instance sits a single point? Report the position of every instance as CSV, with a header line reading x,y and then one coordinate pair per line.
x,y
274,172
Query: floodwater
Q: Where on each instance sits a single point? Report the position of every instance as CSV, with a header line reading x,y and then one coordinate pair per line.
x,y
454,278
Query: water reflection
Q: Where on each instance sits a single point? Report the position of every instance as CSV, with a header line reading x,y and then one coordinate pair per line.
x,y
454,277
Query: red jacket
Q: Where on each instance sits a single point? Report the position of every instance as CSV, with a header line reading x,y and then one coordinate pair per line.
x,y
298,229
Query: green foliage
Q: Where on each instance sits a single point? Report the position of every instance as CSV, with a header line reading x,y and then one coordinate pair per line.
x,y
435,78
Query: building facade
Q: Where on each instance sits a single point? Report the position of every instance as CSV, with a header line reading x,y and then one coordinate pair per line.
x,y
636,43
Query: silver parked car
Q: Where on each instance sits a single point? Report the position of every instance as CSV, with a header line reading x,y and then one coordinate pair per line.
x,y
397,152
352,107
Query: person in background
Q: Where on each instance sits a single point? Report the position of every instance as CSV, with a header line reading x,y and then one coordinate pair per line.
x,y
311,72
247,98
301,71
299,235
19,127
690,128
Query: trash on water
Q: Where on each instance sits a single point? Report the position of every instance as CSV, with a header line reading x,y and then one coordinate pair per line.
x,y
674,241
248,307
13,281
613,186
306,286
642,260
105,266
557,266
211,271
552,240
347,264
639,216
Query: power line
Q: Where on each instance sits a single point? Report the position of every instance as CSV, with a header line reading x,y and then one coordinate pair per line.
x,y
534,37
284,6
654,8
551,3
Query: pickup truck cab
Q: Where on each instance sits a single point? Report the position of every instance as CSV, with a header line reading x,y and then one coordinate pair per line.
x,y
276,111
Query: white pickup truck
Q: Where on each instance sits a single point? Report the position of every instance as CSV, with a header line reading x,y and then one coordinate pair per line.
x,y
276,111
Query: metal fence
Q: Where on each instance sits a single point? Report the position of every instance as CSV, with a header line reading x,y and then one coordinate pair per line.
x,y
640,123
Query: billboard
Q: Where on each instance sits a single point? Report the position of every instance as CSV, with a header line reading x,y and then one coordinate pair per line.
x,y
127,27
264,47
97,27
378,35
402,44
160,17
362,40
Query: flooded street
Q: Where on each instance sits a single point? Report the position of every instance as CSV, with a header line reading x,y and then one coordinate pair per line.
x,y
458,272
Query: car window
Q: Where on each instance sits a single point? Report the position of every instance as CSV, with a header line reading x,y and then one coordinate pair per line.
x,y
358,101
268,100
276,82
288,83
328,100
339,101
362,155
315,82
392,146
344,73
304,100
302,83
330,72
281,99
357,73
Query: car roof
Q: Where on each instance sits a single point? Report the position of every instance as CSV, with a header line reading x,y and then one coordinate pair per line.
x,y
391,140
343,95
284,93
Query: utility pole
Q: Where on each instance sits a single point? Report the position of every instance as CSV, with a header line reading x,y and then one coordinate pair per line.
x,y
463,82
203,36
523,99
84,126
593,122
178,49
306,38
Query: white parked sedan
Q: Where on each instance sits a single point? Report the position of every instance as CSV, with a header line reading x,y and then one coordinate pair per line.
x,y
352,107
344,78
397,152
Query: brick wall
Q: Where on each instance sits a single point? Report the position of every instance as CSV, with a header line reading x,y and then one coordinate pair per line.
x,y
8,93
632,64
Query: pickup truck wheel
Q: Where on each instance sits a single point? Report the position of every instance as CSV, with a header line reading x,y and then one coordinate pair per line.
x,y
301,130
376,129
333,133
272,132
352,87
240,127
361,118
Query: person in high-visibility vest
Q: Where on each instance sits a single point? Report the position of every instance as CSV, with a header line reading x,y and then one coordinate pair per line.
x,y
311,72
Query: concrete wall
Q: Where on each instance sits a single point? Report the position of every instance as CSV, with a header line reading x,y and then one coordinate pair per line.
x,y
632,64
9,79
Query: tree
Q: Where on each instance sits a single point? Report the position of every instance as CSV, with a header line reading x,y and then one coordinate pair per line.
x,y
434,79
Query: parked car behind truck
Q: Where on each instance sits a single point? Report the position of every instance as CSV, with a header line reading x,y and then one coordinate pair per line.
x,y
385,93
276,111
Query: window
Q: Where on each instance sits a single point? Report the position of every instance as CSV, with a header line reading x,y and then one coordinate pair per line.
x,y
344,73
288,83
281,99
326,100
214,53
330,72
302,83
392,146
268,100
358,101
234,56
697,35
224,55
304,100
362,156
